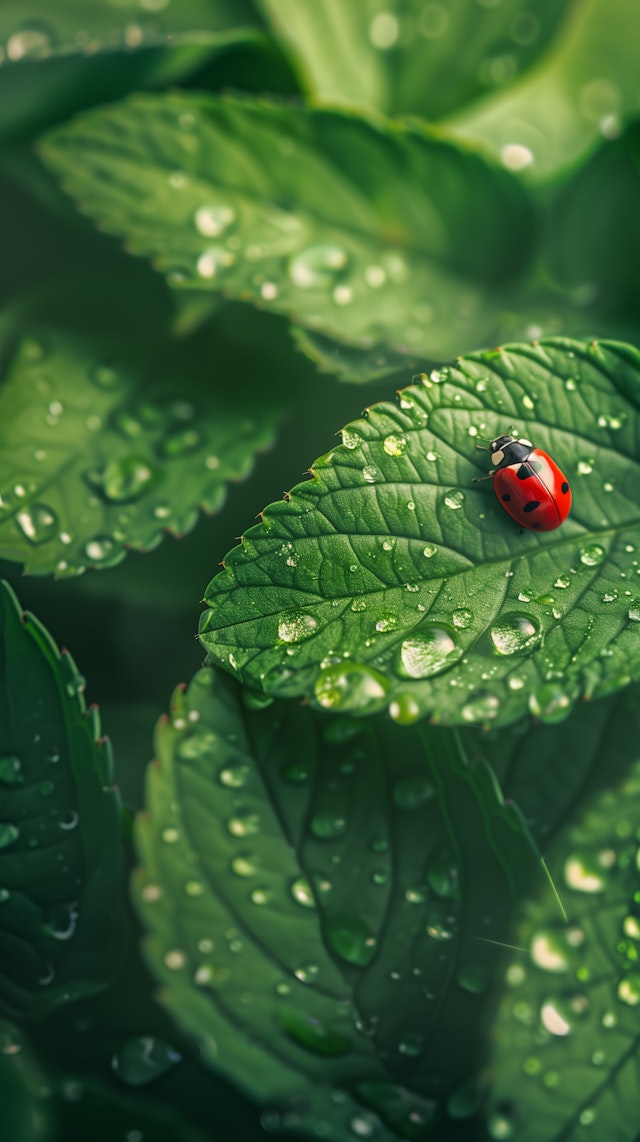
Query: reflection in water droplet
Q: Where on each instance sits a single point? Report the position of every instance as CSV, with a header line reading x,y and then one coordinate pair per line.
x,y
514,633
212,220
429,652
350,438
429,550
296,626
213,261
126,478
592,555
38,523
317,266
629,989
404,709
370,474
351,939
351,686
583,875
395,444
454,499
143,1059
462,618
11,770
302,893
99,549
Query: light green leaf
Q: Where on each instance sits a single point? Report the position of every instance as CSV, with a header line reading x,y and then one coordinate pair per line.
x,y
61,926
566,1041
365,232
88,26
98,455
587,87
392,579
301,879
411,57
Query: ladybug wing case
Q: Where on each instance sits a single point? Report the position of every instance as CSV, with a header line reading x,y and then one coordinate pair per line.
x,y
535,492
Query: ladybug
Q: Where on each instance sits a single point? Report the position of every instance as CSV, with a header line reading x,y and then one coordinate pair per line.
x,y
529,484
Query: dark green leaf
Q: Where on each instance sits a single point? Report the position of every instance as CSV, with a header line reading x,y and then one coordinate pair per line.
x,y
360,231
584,90
567,1044
392,579
60,860
98,455
353,364
317,908
411,57
23,1115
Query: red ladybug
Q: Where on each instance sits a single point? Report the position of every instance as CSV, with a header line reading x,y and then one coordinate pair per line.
x,y
529,485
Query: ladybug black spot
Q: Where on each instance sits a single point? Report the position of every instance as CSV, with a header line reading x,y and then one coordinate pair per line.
x,y
531,506
524,471
564,488
506,497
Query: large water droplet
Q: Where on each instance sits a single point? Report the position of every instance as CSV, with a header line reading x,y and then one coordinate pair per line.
x,y
9,834
127,478
296,626
100,549
395,444
38,523
327,826
211,220
592,555
454,499
32,42
351,939
550,703
143,1059
404,709
429,652
351,686
214,261
481,707
583,874
629,989
11,770
318,266
302,893
514,633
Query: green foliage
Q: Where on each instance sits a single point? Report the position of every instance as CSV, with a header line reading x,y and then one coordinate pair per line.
x,y
357,229
343,920
368,861
390,579
60,858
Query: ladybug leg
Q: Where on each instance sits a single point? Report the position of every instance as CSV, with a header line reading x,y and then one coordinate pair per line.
x,y
489,476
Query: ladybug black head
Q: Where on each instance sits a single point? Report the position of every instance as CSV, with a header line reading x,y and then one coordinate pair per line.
x,y
507,450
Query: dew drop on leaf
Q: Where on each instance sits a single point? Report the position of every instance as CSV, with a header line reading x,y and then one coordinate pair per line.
x,y
428,653
309,1032
454,499
395,444
481,707
514,633
143,1059
213,219
404,709
350,938
9,834
629,990
127,478
38,523
350,686
317,266
99,549
302,893
11,770
296,626
582,874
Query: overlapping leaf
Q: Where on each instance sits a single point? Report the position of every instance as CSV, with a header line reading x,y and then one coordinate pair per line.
x,y
566,1049
24,1117
317,908
97,456
79,26
407,58
365,232
392,579
584,90
61,927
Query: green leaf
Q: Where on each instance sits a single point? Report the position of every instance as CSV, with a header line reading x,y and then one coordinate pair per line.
x,y
392,579
350,363
367,233
598,264
75,26
411,57
586,88
568,1021
103,447
61,927
24,1114
301,879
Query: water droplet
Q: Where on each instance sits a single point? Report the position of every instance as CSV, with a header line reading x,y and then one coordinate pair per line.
x,y
244,825
375,276
296,626
395,444
370,474
302,893
351,438
11,770
351,939
38,523
550,703
317,266
412,792
126,479
9,834
473,978
514,633
98,550
180,442
551,951
327,826
404,709
170,836
308,1032
351,686
592,555
462,618
307,972
213,219
454,499
517,157
33,42
69,820
499,1127
481,707
629,990
583,874
384,30
213,261
562,582
585,467
342,295
429,550
428,653
143,1059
